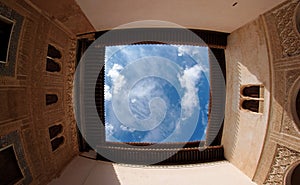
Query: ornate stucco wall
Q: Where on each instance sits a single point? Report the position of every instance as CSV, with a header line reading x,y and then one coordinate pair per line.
x,y
24,113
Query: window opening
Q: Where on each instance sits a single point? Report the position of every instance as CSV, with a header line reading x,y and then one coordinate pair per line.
x,y
252,98
5,34
55,130
52,56
57,142
10,172
51,99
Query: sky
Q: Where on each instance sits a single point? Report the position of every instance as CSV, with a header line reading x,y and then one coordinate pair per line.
x,y
156,93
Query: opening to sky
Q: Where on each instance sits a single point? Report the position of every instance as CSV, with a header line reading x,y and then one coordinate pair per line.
x,y
156,93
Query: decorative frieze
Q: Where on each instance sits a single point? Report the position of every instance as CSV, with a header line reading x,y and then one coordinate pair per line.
x,y
70,71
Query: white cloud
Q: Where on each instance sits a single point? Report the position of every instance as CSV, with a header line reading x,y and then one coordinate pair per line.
x,y
118,80
188,81
124,128
109,128
188,50
198,53
111,50
114,72
107,93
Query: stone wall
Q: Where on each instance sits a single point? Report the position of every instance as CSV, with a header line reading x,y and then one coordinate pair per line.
x,y
24,113
266,51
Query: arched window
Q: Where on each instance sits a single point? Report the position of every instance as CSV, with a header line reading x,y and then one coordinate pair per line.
x,y
252,98
294,101
52,56
53,52
293,175
56,138
51,99
252,105
55,143
251,91
52,66
55,130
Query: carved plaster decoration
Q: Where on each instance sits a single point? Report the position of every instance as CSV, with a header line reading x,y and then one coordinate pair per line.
x,y
284,158
69,94
285,23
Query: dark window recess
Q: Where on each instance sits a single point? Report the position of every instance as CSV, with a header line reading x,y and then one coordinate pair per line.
x,y
51,98
298,104
55,143
295,178
298,17
5,31
252,105
55,130
10,172
252,91
52,66
53,52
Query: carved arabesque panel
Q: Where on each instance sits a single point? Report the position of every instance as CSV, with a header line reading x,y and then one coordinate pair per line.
x,y
285,23
283,159
69,94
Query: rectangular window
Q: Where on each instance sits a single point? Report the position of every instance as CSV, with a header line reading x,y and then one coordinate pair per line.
x,y
6,26
10,172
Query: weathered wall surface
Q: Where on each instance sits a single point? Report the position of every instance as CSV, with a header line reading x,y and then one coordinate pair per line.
x,y
24,85
247,63
266,51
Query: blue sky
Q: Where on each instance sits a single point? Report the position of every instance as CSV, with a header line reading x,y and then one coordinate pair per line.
x,y
156,93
